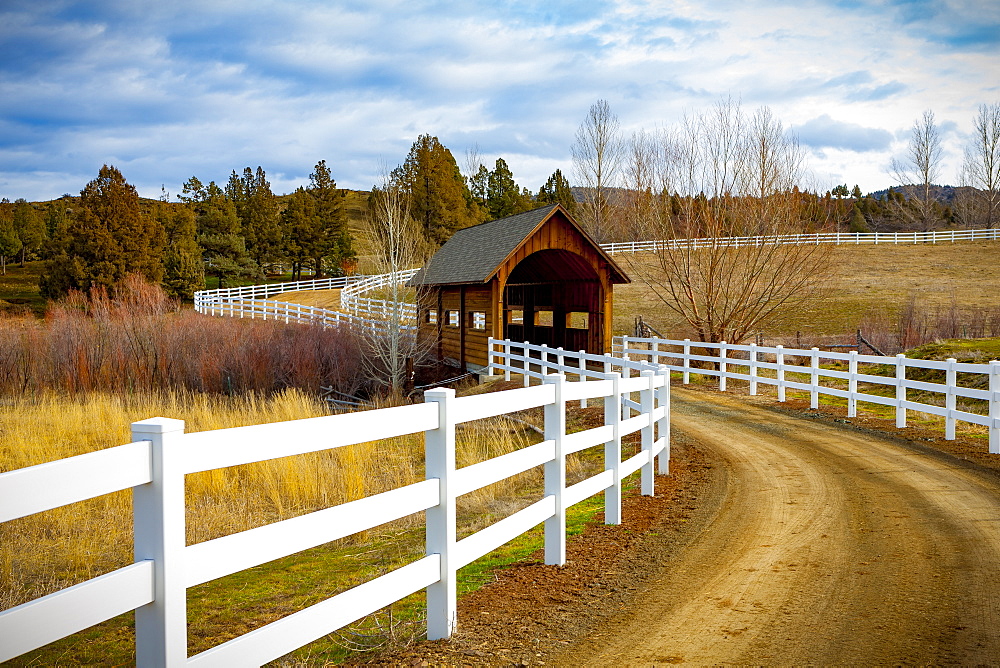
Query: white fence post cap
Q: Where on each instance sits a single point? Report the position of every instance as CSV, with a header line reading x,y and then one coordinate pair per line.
x,y
157,425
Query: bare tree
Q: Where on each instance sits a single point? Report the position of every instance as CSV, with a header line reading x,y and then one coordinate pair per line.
x,y
725,291
597,153
920,170
396,245
981,169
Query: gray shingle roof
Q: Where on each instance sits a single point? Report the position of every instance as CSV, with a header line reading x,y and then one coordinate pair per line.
x,y
474,254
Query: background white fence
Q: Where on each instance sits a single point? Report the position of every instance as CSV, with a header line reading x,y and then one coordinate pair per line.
x,y
367,312
746,362
940,236
161,454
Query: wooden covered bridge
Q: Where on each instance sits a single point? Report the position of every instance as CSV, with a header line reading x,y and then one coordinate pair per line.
x,y
536,277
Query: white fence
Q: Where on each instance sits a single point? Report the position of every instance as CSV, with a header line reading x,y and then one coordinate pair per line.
x,y
745,362
161,454
370,314
943,236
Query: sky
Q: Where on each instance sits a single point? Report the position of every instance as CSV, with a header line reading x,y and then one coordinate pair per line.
x,y
169,90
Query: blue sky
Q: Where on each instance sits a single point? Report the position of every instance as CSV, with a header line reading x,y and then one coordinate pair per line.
x,y
167,90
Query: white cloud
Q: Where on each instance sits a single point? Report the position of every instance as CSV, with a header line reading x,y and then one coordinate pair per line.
x,y
283,85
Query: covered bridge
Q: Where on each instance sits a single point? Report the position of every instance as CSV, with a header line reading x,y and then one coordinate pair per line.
x,y
536,276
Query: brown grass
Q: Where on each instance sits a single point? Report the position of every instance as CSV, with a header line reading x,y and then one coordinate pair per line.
x,y
51,550
863,279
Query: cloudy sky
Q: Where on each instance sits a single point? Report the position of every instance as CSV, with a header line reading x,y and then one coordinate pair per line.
x,y
167,90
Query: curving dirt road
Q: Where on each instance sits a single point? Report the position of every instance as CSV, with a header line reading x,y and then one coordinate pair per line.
x,y
823,545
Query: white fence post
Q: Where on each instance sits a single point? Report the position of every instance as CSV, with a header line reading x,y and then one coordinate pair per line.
x,y
439,444
900,390
722,366
527,365
555,473
951,380
655,348
779,359
814,378
158,517
753,369
613,451
583,378
507,361
646,400
994,407
687,361
663,426
852,385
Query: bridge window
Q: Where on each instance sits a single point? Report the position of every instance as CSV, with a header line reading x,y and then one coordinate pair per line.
x,y
477,320
577,320
431,316
515,316
453,319
544,318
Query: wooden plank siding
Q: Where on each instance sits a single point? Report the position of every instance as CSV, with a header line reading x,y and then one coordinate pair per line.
x,y
573,276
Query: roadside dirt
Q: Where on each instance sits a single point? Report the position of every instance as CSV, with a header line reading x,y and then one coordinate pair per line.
x,y
782,536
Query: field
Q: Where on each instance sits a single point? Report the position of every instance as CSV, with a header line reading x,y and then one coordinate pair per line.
x,y
864,280
51,550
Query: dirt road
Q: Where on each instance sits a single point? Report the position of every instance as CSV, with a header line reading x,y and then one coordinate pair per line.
x,y
824,545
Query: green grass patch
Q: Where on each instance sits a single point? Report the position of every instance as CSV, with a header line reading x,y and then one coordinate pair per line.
x,y
236,604
19,288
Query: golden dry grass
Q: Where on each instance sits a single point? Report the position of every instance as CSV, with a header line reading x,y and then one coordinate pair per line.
x,y
328,299
51,550
861,278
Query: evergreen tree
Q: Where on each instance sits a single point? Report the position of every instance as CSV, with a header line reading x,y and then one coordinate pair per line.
x,y
218,232
503,196
302,230
183,267
57,215
334,242
105,239
10,243
478,186
439,199
557,191
856,192
858,222
257,209
30,228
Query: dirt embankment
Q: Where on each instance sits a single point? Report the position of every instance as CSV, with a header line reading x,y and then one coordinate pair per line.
x,y
778,540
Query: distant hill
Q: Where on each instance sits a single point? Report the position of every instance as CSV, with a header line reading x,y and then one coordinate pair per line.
x,y
943,194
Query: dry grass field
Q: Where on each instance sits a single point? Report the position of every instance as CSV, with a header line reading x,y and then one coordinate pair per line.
x,y
862,279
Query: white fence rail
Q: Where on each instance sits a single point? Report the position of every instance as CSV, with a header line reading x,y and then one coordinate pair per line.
x,y
154,466
745,362
839,238
369,314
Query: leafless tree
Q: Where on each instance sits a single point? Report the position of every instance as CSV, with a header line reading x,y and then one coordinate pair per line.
x,y
396,245
981,169
597,154
720,175
919,170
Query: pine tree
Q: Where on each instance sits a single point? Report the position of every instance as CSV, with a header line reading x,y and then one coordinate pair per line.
x,y
503,196
105,239
557,191
856,192
218,232
10,243
257,209
439,199
30,228
183,268
334,242
858,222
115,203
